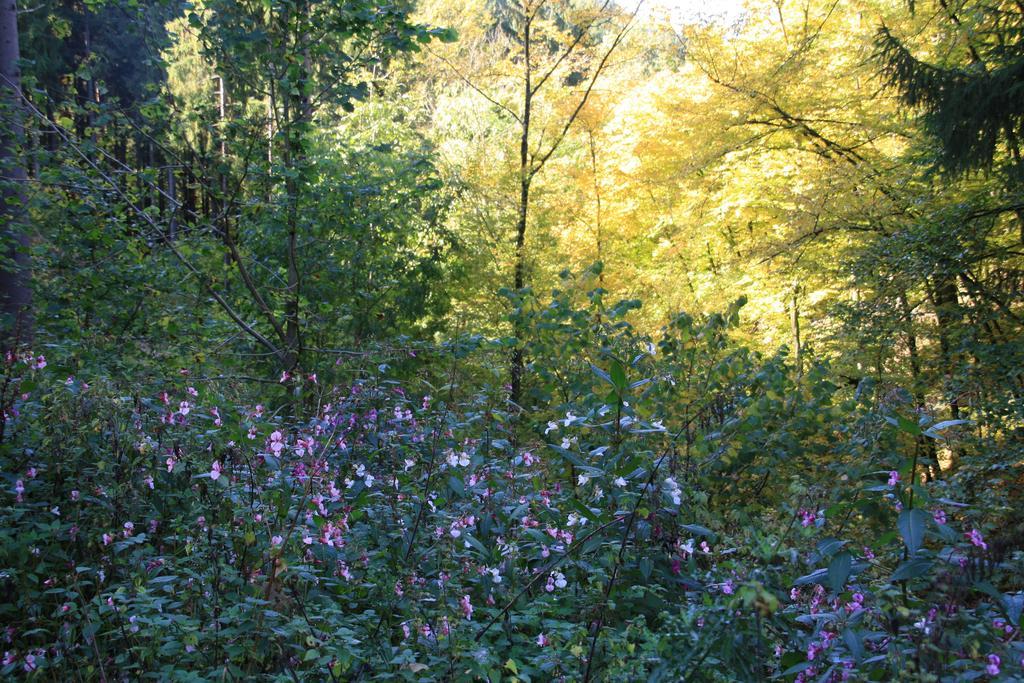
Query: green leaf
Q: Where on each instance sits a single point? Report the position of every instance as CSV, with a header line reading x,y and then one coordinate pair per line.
x,y
830,546
853,644
911,524
912,569
618,375
817,576
839,570
646,565
601,374
907,425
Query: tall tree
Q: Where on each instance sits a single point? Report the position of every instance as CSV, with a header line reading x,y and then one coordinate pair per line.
x,y
14,269
554,48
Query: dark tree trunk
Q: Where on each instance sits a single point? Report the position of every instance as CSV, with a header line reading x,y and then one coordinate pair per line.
x,y
14,271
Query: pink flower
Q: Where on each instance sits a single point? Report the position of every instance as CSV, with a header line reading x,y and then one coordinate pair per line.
x,y
170,464
975,537
276,441
993,665
543,641
215,470
107,539
894,478
728,588
216,416
939,516
184,407
192,391
129,529
39,362
276,541
806,517
467,607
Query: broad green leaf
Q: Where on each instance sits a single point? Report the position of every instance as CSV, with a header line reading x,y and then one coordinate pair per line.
x,y
839,570
911,524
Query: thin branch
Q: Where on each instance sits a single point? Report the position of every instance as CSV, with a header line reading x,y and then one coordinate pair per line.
x,y
539,163
474,86
569,50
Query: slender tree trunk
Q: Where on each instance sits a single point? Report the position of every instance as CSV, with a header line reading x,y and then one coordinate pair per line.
x,y
598,232
172,194
794,324
917,387
949,317
519,276
15,288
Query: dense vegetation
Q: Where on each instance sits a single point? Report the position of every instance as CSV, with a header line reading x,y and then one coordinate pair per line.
x,y
518,340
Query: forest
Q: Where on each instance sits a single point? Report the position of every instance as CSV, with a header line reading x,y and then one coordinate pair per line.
x,y
512,340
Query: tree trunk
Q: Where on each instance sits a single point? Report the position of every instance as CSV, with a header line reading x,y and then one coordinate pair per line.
x,y
517,362
950,318
15,288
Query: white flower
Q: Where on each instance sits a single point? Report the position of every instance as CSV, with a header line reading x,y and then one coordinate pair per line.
x,y
674,492
551,426
582,480
560,581
569,417
620,482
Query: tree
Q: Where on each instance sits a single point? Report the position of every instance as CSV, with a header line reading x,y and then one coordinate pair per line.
x,y
549,44
14,269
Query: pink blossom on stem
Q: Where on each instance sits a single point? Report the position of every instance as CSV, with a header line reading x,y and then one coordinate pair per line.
x,y
974,536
